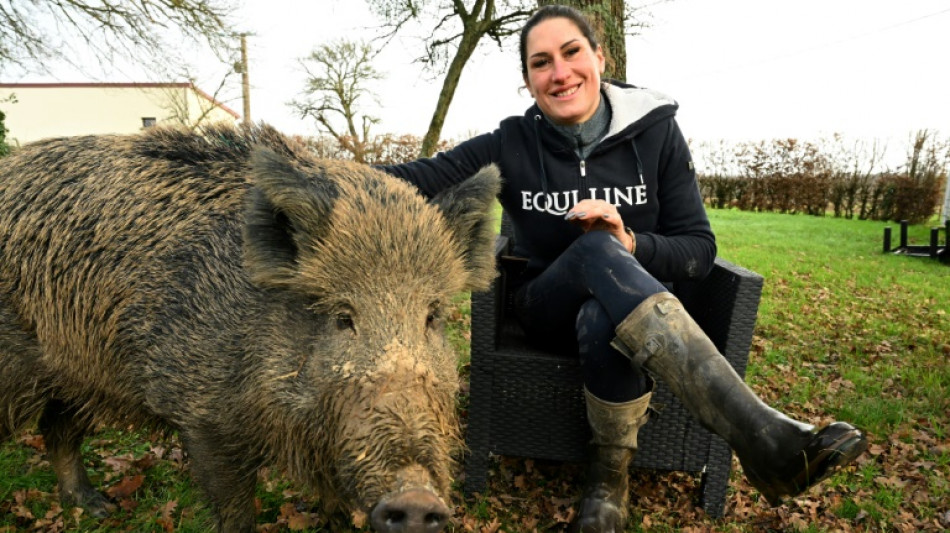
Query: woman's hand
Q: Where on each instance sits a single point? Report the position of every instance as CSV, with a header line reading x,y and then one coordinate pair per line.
x,y
601,215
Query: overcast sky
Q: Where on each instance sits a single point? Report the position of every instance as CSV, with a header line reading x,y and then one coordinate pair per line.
x,y
740,69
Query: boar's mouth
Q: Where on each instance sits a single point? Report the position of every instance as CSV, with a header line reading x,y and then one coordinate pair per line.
x,y
390,436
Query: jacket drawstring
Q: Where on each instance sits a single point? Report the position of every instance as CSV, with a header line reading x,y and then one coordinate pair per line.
x,y
636,155
537,136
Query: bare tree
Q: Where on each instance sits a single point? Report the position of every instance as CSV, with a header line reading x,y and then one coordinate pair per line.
x,y
459,27
32,33
337,77
181,102
928,156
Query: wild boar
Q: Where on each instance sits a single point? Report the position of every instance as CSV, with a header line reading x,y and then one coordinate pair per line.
x,y
270,307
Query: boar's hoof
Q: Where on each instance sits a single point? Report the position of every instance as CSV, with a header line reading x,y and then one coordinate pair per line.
x,y
90,500
410,511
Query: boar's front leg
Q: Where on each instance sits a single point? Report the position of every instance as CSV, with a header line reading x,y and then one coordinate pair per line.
x,y
227,477
63,433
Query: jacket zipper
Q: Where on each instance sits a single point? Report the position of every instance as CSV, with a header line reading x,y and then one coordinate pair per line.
x,y
581,181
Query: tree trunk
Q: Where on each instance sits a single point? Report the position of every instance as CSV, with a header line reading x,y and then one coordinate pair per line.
x,y
465,50
606,16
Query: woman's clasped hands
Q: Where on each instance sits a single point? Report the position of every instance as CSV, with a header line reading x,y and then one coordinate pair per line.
x,y
600,215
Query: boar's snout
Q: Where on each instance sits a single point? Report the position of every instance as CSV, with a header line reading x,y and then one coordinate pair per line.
x,y
410,511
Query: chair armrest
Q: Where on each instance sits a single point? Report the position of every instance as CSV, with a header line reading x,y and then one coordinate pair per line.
x,y
502,244
725,304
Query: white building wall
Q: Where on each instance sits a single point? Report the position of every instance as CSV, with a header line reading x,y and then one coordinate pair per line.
x,y
56,110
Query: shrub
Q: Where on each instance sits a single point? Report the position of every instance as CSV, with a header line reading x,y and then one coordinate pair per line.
x,y
789,176
903,197
4,147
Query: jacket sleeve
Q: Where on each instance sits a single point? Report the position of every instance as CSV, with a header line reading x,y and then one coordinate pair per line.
x,y
435,174
683,246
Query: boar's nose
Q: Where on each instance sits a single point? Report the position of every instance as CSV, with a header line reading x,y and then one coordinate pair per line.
x,y
410,511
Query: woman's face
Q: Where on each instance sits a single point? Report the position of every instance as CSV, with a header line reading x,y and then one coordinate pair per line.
x,y
563,71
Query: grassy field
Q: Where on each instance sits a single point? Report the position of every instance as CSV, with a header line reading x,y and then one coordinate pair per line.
x,y
844,332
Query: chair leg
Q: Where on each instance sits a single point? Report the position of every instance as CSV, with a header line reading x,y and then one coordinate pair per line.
x,y
478,433
715,480
476,471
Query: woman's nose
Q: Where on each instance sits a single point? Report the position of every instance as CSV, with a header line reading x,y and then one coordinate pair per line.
x,y
560,71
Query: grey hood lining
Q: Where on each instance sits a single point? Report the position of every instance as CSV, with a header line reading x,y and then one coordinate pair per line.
x,y
630,104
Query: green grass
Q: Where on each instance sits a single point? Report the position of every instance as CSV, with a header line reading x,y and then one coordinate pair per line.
x,y
844,332
835,307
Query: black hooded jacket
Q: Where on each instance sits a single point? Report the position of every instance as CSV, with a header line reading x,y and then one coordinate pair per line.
x,y
643,166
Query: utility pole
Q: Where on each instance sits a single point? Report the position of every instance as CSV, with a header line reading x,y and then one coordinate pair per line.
x,y
245,83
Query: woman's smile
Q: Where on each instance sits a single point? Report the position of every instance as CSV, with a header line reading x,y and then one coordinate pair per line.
x,y
567,92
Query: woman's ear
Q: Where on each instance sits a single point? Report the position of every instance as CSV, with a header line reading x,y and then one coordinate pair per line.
x,y
527,86
601,60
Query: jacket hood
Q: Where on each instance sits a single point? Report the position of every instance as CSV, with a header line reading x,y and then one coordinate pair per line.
x,y
635,108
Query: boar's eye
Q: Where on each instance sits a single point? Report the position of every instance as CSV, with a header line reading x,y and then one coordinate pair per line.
x,y
433,318
344,321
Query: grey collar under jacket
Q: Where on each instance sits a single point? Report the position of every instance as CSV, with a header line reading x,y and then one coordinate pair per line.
x,y
622,106
584,137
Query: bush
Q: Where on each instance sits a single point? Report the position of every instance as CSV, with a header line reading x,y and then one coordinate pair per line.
x,y
886,196
4,147
902,197
789,176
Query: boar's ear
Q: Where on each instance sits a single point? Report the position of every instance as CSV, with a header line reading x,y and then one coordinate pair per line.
x,y
469,209
285,209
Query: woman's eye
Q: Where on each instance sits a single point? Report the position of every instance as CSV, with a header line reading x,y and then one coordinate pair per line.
x,y
571,51
540,63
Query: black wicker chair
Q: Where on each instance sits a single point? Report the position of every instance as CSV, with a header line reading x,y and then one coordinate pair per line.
x,y
527,403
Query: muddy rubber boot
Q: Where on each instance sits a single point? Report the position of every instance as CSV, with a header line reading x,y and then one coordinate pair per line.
x,y
780,457
603,508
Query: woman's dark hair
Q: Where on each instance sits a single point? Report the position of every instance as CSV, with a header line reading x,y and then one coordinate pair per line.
x,y
552,11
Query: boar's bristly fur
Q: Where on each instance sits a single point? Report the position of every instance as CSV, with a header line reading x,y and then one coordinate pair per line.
x,y
271,307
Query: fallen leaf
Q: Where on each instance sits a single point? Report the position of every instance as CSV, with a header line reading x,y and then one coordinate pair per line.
x,y
491,527
125,487
166,520
118,463
34,441
300,521
359,519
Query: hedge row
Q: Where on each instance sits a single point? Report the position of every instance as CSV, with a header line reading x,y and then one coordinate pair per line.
x,y
886,196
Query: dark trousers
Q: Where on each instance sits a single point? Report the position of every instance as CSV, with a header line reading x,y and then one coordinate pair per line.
x,y
574,306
